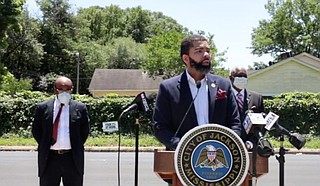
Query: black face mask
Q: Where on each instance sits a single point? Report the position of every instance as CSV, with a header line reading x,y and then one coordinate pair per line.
x,y
203,69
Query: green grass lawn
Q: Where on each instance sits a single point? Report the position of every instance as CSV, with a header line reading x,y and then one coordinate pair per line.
x,y
129,141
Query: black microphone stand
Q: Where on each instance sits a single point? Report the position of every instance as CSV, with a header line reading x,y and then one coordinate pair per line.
x,y
254,160
137,125
281,161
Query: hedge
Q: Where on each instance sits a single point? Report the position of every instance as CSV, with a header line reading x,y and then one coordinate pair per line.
x,y
299,112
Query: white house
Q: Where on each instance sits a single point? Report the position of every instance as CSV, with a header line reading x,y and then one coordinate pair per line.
x,y
299,73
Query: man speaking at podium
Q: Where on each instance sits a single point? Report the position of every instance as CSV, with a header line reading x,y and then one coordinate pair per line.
x,y
194,97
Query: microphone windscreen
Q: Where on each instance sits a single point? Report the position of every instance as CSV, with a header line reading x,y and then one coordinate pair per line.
x,y
297,140
264,148
151,97
198,84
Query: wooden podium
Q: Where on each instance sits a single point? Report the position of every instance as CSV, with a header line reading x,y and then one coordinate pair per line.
x,y
164,167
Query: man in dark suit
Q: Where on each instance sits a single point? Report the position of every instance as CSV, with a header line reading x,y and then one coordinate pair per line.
x,y
246,99
215,102
61,127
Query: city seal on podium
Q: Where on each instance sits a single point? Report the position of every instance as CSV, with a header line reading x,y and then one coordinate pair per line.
x,y
211,155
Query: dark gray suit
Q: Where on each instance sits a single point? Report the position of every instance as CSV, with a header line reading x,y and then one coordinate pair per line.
x,y
42,132
252,101
174,98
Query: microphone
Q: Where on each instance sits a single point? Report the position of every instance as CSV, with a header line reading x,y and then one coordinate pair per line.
x,y
252,119
198,85
175,140
264,147
297,140
140,102
253,124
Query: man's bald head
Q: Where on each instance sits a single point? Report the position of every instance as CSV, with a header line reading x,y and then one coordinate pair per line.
x,y
63,84
238,71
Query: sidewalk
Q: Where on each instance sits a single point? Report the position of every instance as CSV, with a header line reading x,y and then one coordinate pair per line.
x,y
143,149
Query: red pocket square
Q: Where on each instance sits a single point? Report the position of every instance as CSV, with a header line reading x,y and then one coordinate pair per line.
x,y
221,94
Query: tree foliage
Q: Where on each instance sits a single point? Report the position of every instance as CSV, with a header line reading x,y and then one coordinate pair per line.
x,y
23,53
9,10
96,37
58,38
294,26
126,54
46,82
163,55
12,85
258,66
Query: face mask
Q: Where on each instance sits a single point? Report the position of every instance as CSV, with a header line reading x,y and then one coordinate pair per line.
x,y
64,97
240,82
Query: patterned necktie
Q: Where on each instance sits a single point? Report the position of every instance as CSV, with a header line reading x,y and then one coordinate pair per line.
x,y
55,126
239,100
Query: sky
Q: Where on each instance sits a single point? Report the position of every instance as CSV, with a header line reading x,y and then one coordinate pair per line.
x,y
230,21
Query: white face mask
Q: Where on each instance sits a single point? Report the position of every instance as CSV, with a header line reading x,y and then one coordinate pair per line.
x,y
240,82
64,97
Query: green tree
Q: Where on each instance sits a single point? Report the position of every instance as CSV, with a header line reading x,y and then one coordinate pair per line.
x,y
258,66
24,52
161,23
104,37
105,24
294,26
163,55
58,34
102,24
12,85
46,82
92,55
139,20
9,10
126,54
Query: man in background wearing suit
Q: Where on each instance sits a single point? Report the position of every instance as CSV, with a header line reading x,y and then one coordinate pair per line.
x,y
246,99
215,101
61,127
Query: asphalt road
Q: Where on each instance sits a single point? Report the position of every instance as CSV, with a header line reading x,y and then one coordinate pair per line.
x,y
19,168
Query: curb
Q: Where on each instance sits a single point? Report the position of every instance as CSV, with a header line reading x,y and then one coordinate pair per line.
x,y
87,148
143,149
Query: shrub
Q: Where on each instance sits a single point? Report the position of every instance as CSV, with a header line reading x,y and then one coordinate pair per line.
x,y
298,111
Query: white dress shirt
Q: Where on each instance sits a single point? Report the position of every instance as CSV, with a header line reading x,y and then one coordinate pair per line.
x,y
63,139
201,103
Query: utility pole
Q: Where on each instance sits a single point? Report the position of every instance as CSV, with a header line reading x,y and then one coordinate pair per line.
x,y
78,61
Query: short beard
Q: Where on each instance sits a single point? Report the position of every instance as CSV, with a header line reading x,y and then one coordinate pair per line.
x,y
199,67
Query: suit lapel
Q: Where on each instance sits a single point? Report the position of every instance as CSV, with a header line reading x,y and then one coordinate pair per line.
x,y
72,116
248,100
186,97
49,112
212,91
72,112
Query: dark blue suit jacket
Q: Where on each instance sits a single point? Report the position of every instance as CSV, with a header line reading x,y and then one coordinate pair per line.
x,y
174,98
79,131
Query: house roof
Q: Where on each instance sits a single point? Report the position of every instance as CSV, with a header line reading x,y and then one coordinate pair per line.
x,y
312,62
123,79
